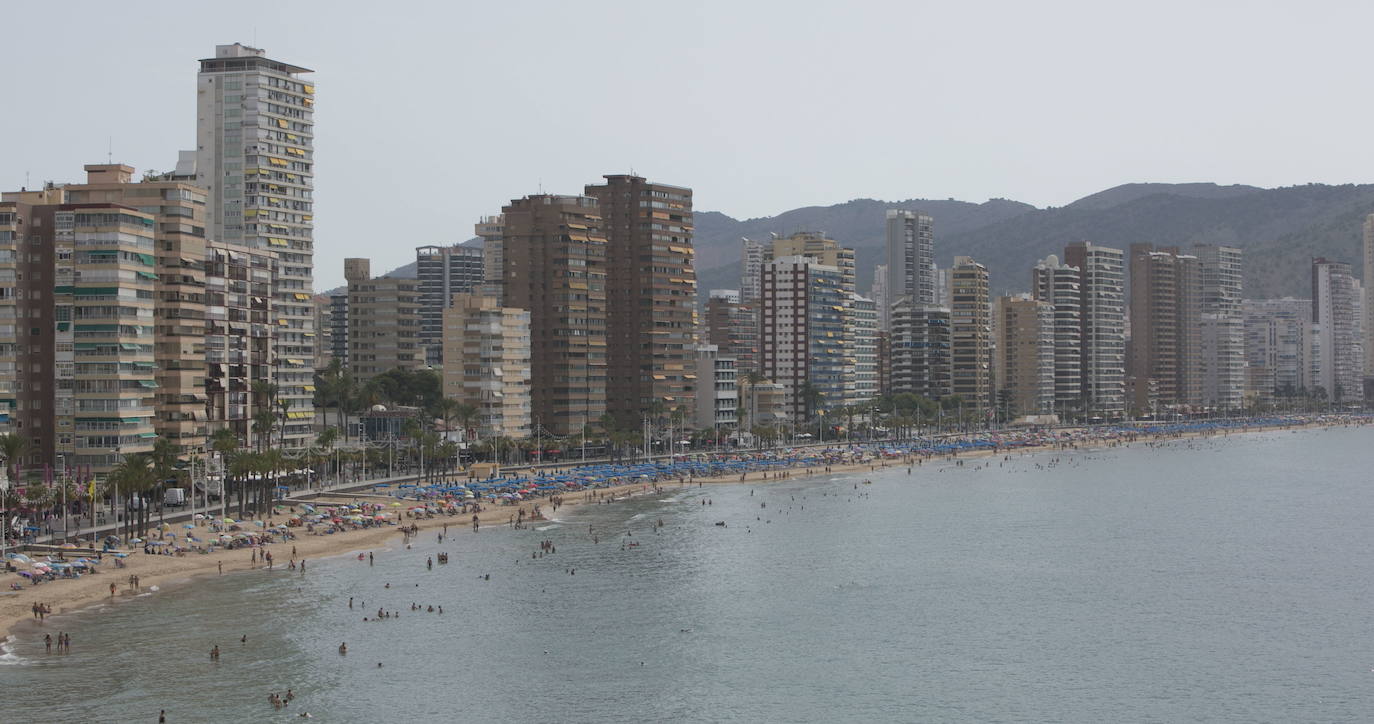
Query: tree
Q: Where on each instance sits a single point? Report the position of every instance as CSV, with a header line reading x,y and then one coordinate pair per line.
x,y
163,459
264,422
13,447
326,440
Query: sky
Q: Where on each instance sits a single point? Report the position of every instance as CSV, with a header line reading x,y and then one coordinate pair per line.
x,y
431,115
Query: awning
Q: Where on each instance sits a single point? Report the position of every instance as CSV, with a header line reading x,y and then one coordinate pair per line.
x,y
148,383
147,275
147,259
308,388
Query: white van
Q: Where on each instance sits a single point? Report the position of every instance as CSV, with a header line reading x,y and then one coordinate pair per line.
x,y
174,497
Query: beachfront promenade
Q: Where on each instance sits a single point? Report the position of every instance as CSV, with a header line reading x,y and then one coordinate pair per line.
x,y
731,464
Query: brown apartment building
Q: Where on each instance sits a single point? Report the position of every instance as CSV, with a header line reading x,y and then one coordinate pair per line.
x,y
1164,362
384,322
651,290
554,266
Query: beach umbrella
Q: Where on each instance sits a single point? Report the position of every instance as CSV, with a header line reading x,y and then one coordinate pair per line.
x,y
67,545
19,557
228,520
135,540
199,516
189,526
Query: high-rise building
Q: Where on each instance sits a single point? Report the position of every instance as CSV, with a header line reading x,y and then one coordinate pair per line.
x,y
1368,316
970,333
801,333
1336,325
1101,278
77,343
1165,346
816,245
1279,346
1025,357
733,326
920,349
878,293
555,267
861,350
240,327
651,289
717,391
752,259
1058,284
255,135
1222,326
338,327
383,322
911,256
324,331
178,209
490,230
487,363
443,271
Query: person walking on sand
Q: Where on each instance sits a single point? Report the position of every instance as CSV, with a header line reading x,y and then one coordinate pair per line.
x,y
47,643
112,590
162,716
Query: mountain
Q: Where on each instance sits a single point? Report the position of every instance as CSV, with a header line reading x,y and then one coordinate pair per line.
x,y
1279,229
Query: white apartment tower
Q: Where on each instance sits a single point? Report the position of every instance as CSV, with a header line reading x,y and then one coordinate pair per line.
x,y
1101,286
1369,296
754,254
255,158
1058,284
1336,325
910,257
1223,326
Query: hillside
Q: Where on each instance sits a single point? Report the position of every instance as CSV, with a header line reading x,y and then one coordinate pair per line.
x,y
1280,229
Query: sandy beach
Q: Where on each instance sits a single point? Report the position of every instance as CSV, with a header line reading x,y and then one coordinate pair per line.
x,y
161,571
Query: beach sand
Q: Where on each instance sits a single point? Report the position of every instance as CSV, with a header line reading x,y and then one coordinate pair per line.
x,y
64,596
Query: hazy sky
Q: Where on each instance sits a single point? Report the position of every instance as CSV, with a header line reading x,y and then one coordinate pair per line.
x,y
433,114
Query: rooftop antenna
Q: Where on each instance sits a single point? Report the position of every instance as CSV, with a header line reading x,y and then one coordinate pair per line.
x,y
109,151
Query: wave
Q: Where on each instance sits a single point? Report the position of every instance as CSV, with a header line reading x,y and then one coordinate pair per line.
x,y
8,657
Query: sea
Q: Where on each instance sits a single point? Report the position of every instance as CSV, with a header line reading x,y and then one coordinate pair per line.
x,y
1225,579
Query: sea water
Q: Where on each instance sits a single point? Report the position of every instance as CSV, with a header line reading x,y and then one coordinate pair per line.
x,y
1219,579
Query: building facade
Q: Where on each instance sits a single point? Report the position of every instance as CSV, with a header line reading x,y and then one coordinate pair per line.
x,y
255,135
487,364
1058,285
733,327
1165,347
1026,357
240,327
861,383
442,272
971,333
1222,326
178,210
1279,346
1102,309
555,267
911,256
920,349
801,333
1336,325
717,393
384,322
651,289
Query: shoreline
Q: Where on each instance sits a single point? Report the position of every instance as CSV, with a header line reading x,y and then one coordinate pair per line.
x,y
171,572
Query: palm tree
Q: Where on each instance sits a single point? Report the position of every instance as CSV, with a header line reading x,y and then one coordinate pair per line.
x,y
264,422
326,440
284,406
134,476
164,461
13,447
